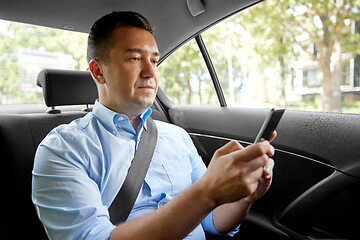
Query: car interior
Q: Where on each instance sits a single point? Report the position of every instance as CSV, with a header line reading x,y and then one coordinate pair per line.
x,y
315,191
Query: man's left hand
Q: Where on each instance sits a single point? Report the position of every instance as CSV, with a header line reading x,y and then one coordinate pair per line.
x,y
266,179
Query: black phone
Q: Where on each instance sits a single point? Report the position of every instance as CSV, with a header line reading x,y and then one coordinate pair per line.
x,y
270,124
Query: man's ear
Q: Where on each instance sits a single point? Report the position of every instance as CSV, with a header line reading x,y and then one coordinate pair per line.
x,y
96,71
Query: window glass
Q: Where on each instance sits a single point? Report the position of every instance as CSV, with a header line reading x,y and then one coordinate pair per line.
x,y
185,79
298,54
27,49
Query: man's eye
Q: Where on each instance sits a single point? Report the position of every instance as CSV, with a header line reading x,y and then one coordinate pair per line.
x,y
135,59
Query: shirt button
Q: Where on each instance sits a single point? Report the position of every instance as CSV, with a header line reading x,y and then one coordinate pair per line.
x,y
121,118
114,132
165,198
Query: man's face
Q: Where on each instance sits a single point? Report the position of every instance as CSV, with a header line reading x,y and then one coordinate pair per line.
x,y
131,74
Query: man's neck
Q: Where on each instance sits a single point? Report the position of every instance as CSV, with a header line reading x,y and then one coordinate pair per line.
x,y
135,122
132,113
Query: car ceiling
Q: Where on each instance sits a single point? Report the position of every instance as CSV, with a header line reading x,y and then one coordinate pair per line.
x,y
172,19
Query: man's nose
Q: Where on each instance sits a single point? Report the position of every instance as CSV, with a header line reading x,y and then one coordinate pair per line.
x,y
149,69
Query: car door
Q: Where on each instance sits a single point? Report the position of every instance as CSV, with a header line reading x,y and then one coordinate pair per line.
x,y
314,193
316,175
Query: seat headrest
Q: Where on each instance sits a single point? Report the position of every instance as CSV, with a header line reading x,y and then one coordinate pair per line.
x,y
67,87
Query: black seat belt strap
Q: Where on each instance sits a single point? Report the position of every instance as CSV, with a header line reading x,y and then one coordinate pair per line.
x,y
123,203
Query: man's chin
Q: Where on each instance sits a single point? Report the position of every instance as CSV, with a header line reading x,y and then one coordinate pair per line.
x,y
147,101
145,104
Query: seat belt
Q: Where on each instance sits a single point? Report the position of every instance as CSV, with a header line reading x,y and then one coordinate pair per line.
x,y
123,203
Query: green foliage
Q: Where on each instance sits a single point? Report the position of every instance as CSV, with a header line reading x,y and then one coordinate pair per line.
x,y
24,36
185,78
255,54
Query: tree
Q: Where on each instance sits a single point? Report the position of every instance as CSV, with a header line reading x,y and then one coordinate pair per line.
x,y
25,36
225,46
184,76
273,39
278,25
328,24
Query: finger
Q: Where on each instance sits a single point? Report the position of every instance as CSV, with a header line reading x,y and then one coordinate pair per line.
x,y
254,177
257,173
273,136
268,169
252,152
271,151
229,148
255,165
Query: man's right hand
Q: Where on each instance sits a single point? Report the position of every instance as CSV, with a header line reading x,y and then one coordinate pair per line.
x,y
233,174
234,171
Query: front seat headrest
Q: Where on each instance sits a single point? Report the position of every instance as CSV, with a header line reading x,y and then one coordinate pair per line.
x,y
67,87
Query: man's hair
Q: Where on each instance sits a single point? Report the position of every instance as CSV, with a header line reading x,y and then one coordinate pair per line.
x,y
100,39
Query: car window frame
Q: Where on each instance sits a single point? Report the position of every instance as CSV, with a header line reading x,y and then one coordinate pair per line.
x,y
208,62
206,57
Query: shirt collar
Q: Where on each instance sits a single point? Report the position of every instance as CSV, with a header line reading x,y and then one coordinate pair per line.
x,y
144,116
109,118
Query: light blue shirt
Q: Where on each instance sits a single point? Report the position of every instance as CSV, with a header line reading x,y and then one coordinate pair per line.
x,y
80,167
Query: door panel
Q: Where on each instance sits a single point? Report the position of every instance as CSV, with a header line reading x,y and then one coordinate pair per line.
x,y
316,159
303,213
294,172
329,138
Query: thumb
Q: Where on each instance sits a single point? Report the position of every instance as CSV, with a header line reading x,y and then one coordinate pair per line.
x,y
230,147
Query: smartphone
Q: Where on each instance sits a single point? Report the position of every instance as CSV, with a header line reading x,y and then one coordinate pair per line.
x,y
270,124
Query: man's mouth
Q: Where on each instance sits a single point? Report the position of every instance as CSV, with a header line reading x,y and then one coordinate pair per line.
x,y
147,87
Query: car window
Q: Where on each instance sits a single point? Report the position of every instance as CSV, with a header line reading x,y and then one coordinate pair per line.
x,y
298,54
27,49
185,79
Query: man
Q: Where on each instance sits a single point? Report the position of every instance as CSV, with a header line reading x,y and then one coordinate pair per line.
x,y
80,167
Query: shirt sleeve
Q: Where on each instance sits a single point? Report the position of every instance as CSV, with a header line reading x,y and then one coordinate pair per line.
x,y
67,200
198,170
